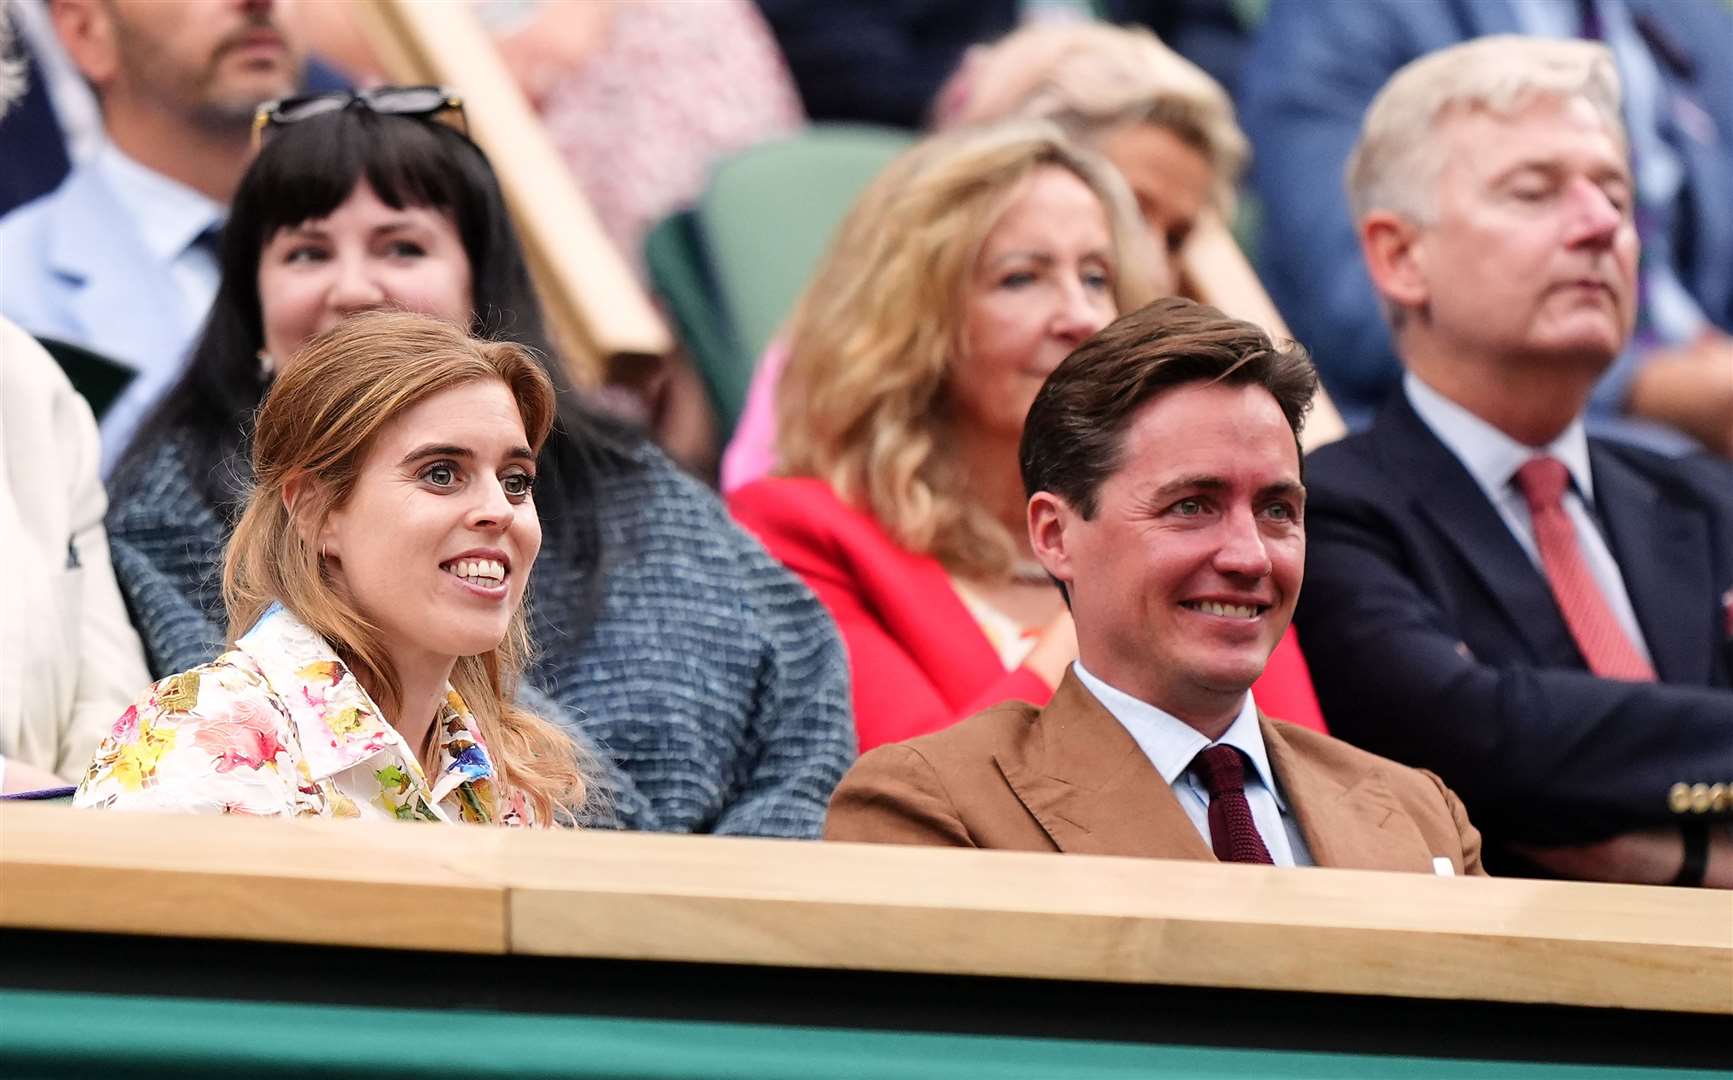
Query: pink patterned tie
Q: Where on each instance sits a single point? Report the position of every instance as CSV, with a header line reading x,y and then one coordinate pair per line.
x,y
1232,832
1603,643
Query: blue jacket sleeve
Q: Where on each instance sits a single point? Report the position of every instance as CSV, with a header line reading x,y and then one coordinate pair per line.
x,y
1314,68
167,542
803,728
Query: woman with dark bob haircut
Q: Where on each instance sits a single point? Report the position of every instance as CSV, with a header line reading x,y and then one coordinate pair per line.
x,y
702,668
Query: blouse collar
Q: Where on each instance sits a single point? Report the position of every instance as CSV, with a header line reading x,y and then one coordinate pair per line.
x,y
339,726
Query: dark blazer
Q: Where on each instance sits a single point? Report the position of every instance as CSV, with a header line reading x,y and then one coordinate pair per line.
x,y
1070,778
1434,640
1314,68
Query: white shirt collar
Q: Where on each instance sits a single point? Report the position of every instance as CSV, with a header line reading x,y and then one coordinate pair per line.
x,y
169,214
1170,743
1489,455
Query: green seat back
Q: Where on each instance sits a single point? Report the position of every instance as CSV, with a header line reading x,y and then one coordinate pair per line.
x,y
764,222
681,278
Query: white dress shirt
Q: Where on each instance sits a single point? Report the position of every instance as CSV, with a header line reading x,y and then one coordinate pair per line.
x,y
1492,458
1171,744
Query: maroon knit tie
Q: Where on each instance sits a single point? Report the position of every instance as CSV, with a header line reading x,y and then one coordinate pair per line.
x,y
1232,832
1599,637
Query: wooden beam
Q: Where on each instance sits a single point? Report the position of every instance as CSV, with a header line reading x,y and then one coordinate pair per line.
x,y
595,306
315,882
782,903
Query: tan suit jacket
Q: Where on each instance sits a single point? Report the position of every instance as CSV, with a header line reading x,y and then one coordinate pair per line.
x,y
1070,778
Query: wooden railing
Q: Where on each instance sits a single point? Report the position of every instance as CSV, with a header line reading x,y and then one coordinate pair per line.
x,y
596,307
861,907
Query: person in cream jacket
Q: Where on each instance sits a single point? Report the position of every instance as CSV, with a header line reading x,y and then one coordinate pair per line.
x,y
69,659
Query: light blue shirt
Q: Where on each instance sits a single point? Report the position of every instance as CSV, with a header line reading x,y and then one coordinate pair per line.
x,y
1492,458
1171,744
170,217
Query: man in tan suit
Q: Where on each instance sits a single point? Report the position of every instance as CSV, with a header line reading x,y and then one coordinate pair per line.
x,y
1162,462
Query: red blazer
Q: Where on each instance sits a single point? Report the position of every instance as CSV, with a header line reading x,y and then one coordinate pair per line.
x,y
917,659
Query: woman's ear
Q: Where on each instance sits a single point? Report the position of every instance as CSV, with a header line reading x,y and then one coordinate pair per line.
x,y
299,493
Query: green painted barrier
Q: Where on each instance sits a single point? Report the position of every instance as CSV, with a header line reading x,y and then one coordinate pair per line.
x,y
51,1035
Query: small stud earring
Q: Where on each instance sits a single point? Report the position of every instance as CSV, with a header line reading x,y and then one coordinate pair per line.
x,y
267,365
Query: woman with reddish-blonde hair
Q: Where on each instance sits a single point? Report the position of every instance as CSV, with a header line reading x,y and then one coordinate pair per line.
x,y
375,588
708,680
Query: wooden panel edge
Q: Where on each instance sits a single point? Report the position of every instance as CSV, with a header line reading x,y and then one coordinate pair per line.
x,y
1107,948
287,909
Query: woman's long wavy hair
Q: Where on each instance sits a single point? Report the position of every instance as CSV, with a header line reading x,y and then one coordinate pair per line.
x,y
315,428
863,403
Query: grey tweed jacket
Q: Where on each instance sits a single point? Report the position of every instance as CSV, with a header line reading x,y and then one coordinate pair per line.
x,y
711,678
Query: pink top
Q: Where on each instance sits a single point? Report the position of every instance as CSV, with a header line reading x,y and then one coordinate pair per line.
x,y
751,452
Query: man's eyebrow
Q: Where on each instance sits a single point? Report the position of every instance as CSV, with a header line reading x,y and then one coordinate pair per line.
x,y
1193,482
1284,487
1551,167
1209,482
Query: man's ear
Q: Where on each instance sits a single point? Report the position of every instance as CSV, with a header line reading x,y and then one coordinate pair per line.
x,y
86,29
1392,246
1049,518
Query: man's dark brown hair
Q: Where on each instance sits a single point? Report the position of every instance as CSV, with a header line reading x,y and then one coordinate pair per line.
x,y
1072,439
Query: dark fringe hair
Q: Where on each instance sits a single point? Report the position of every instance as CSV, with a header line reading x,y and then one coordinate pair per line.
x,y
305,172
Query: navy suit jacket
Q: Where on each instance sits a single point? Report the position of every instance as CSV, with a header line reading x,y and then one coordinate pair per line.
x,y
1434,640
1314,69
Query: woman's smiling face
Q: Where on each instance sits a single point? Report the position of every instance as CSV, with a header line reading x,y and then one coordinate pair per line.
x,y
435,542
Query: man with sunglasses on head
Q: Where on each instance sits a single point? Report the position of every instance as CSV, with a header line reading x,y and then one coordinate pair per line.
x,y
121,258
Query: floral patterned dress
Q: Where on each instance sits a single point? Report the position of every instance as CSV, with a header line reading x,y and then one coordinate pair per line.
x,y
279,726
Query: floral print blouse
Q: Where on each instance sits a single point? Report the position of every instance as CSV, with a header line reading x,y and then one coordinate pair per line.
x,y
279,726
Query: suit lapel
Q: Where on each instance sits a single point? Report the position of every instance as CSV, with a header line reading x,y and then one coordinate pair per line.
x,y
1356,825
96,247
1663,552
1087,782
1446,495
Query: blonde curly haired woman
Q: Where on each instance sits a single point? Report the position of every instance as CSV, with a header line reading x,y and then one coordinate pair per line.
x,y
375,588
963,275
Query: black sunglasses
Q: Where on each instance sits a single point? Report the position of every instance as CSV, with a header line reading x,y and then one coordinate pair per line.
x,y
424,102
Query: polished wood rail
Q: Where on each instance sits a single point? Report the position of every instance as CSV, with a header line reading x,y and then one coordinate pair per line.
x,y
866,908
